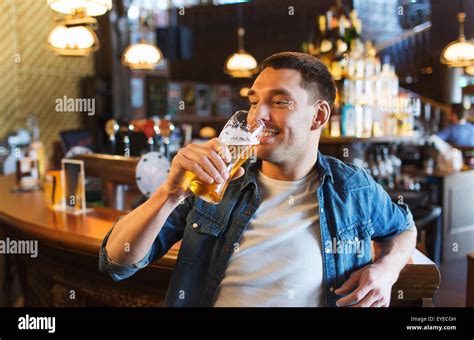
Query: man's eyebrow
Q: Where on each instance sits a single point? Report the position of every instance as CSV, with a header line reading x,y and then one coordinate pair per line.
x,y
284,92
273,92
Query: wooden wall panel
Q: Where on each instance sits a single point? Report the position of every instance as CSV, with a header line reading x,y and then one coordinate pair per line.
x,y
9,101
32,83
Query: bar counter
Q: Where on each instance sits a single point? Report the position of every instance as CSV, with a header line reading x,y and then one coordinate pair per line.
x,y
65,273
67,262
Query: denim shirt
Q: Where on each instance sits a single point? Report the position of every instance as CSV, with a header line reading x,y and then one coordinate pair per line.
x,y
354,210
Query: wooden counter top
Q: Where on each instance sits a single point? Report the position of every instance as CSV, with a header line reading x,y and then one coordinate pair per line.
x,y
28,213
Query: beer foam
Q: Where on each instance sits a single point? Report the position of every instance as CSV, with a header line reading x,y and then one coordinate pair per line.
x,y
239,143
238,136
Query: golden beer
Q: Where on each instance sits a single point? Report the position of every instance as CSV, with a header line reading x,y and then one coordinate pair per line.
x,y
241,134
213,193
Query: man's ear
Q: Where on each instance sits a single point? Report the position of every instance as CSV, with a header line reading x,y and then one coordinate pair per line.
x,y
322,111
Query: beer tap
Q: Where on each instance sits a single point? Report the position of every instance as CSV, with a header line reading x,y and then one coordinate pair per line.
x,y
166,129
156,128
149,131
111,128
126,129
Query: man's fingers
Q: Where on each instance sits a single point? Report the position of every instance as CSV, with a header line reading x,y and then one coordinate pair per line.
x,y
377,303
367,301
213,156
354,297
349,285
239,173
195,168
207,162
203,161
221,149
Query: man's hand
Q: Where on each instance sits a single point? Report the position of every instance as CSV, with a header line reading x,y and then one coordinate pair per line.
x,y
207,161
370,286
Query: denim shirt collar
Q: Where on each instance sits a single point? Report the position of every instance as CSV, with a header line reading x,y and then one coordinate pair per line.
x,y
251,170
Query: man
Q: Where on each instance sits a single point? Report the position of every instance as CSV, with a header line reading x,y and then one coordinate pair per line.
x,y
461,132
293,229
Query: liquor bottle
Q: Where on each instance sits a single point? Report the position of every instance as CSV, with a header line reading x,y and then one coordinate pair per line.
x,y
353,32
367,121
358,120
340,48
377,122
37,153
333,127
394,84
325,43
374,170
386,81
348,120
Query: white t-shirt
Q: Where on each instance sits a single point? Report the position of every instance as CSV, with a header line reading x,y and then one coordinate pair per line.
x,y
278,261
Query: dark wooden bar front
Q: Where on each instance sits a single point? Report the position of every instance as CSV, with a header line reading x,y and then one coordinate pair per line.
x,y
65,273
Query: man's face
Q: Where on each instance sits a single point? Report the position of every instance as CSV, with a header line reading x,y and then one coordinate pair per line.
x,y
287,110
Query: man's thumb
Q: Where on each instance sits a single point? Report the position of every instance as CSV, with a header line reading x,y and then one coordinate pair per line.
x,y
239,173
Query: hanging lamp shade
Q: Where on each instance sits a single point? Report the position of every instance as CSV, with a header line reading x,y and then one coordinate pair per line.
x,y
90,7
470,70
74,37
142,56
459,53
240,64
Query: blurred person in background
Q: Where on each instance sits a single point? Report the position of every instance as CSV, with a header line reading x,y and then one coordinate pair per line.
x,y
461,132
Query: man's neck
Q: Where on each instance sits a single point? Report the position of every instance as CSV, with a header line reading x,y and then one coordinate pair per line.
x,y
291,171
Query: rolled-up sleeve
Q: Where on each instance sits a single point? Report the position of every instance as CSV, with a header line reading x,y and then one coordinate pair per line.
x,y
116,270
170,233
388,218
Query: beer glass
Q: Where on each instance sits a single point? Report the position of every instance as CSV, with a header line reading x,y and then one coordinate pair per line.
x,y
241,135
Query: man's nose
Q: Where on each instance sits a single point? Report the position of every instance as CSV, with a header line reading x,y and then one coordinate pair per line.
x,y
262,112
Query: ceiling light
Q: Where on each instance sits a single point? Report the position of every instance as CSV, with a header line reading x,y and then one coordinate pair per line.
x,y
74,37
90,7
240,64
459,53
142,56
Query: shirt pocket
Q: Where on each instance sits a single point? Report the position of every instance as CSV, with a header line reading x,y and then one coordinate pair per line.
x,y
200,235
354,245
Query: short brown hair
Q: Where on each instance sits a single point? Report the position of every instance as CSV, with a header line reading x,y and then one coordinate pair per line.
x,y
317,79
460,111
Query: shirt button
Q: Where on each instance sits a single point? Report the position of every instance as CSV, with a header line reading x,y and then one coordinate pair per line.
x,y
248,213
331,289
322,210
195,225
